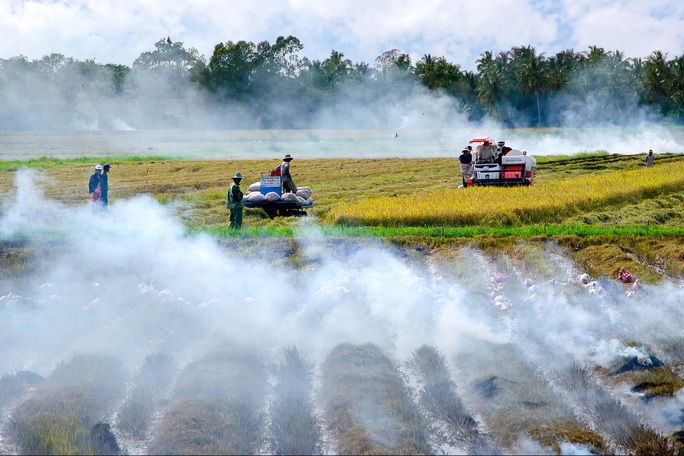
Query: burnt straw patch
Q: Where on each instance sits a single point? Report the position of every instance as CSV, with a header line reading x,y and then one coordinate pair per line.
x,y
368,407
216,406
439,398
294,425
67,413
149,386
13,385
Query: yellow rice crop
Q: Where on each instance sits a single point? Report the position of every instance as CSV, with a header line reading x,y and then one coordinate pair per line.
x,y
508,206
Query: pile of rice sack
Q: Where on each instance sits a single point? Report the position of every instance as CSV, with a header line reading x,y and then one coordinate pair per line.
x,y
302,197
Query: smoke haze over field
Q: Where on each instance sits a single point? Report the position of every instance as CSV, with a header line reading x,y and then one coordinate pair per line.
x,y
410,143
67,111
129,283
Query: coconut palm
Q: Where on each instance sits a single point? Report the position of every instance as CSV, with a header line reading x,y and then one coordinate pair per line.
x,y
426,69
494,82
656,78
676,86
532,73
337,68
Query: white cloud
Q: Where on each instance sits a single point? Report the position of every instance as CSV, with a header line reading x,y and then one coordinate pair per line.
x,y
634,27
113,31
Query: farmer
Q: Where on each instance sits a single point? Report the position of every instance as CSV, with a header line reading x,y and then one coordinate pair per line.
x,y
234,202
288,184
650,158
486,153
104,185
94,185
466,160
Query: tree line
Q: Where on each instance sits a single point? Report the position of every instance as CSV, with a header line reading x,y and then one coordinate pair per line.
x,y
268,82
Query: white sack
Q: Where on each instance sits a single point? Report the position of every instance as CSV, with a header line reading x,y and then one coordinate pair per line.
x,y
271,197
289,197
304,192
255,187
255,197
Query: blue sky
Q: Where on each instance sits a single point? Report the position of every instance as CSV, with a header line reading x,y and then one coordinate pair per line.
x,y
117,31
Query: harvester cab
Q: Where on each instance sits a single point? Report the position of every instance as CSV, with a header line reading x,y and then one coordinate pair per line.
x,y
501,166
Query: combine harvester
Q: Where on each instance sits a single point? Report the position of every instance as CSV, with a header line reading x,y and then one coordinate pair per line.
x,y
271,199
513,167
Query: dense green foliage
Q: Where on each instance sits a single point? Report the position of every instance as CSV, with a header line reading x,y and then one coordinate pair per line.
x,y
270,86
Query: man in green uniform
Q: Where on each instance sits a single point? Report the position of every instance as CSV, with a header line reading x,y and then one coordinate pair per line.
x,y
234,202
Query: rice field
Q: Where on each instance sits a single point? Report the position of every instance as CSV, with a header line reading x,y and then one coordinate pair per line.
x,y
151,330
552,202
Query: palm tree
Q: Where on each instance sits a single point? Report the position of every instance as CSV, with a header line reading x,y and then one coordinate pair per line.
x,y
677,85
426,69
492,86
532,74
656,78
337,68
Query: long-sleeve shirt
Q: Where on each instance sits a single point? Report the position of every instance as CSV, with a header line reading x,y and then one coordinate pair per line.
x,y
93,182
234,198
285,171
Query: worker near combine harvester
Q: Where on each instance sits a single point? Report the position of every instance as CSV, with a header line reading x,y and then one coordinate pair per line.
x,y
650,158
485,153
285,176
501,150
466,160
234,202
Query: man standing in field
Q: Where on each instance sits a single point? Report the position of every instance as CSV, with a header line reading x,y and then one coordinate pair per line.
x,y
649,158
104,186
466,160
94,186
234,202
286,177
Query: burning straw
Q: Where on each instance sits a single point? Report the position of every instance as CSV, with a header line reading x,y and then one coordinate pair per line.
x,y
294,423
215,407
368,407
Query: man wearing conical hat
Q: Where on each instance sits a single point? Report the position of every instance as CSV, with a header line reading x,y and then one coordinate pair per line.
x,y
285,176
234,202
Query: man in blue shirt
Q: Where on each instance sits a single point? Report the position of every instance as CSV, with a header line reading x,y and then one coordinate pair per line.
x,y
466,160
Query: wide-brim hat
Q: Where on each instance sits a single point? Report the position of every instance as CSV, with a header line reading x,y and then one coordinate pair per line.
x,y
288,157
237,175
98,167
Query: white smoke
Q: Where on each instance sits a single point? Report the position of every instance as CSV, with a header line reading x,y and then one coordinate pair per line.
x,y
129,282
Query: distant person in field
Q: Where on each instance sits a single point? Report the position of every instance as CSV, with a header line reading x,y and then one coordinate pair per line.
x,y
285,176
650,158
466,160
104,185
95,186
234,202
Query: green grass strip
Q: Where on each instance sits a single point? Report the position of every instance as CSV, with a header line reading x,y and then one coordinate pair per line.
x,y
52,162
448,231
